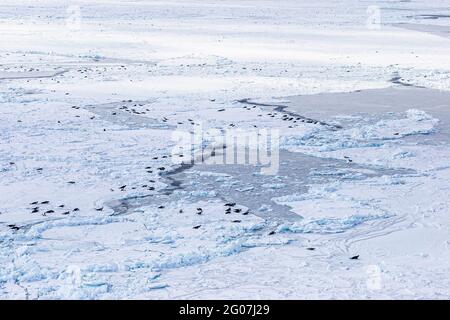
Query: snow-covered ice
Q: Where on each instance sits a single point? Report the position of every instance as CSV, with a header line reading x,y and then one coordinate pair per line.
x,y
94,204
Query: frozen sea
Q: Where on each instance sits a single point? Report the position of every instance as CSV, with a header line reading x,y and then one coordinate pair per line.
x,y
94,205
